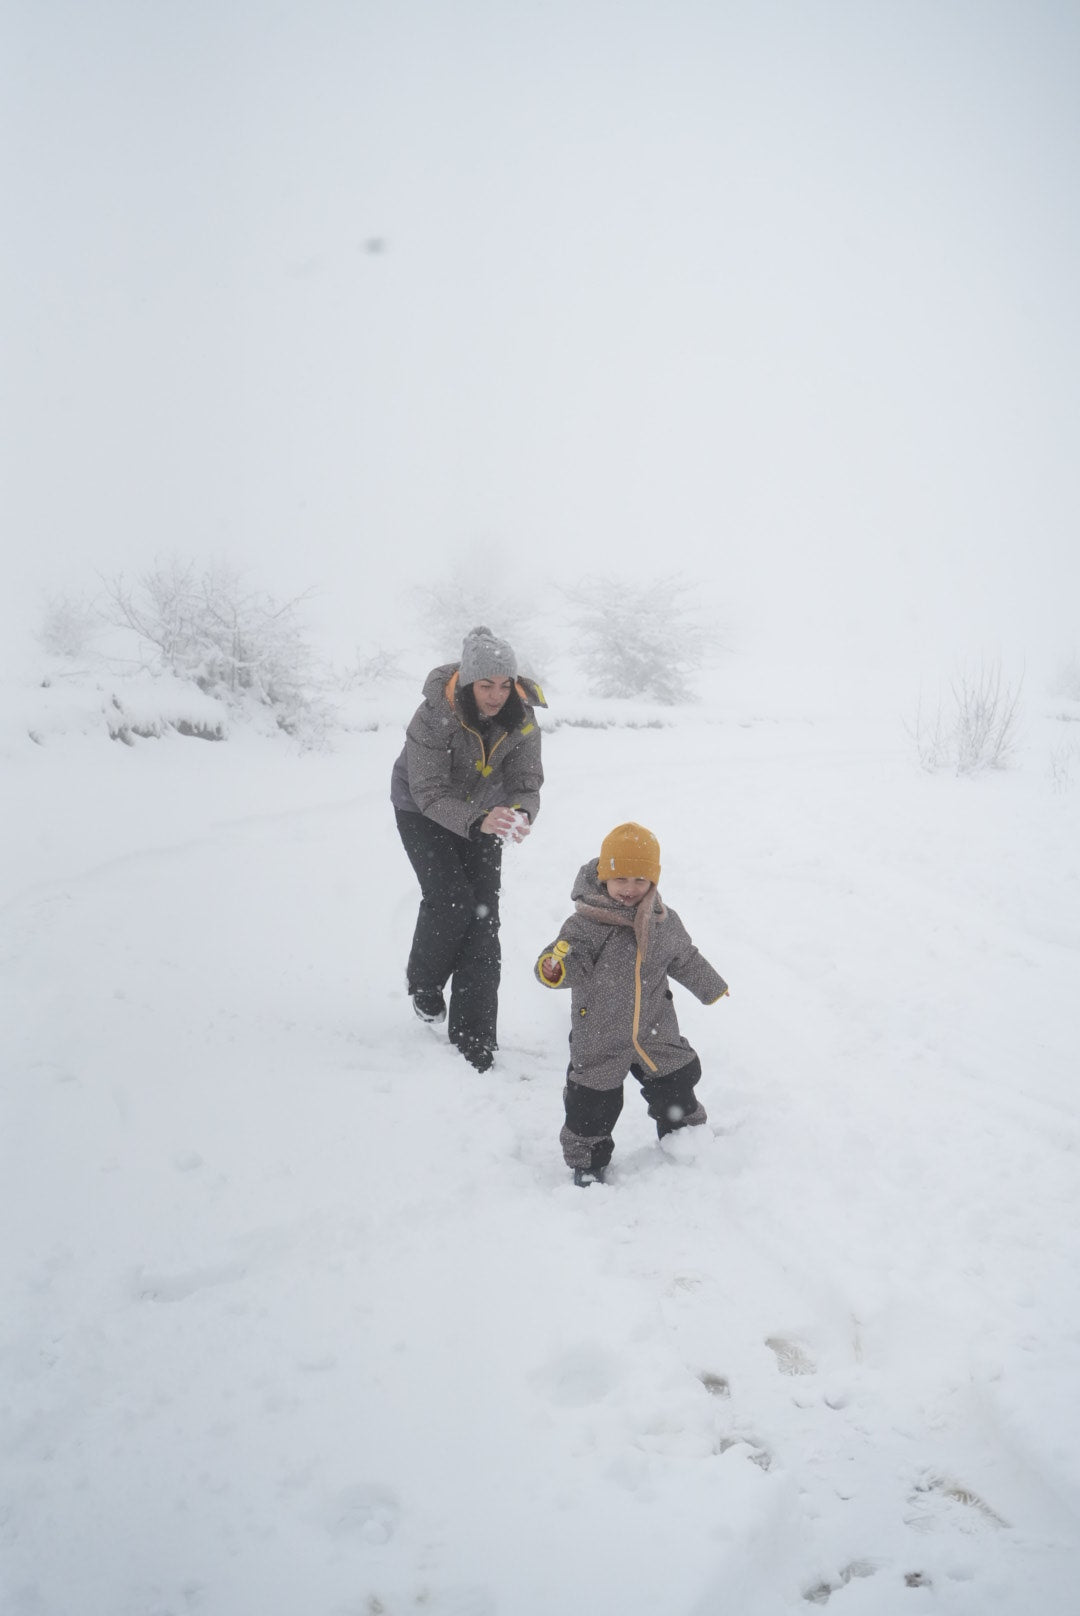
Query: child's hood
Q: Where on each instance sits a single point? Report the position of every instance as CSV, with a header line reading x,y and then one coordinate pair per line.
x,y
589,889
586,887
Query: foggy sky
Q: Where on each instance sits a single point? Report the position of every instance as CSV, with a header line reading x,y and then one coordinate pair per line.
x,y
781,295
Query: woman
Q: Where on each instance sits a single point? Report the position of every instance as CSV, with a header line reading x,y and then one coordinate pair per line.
x,y
467,780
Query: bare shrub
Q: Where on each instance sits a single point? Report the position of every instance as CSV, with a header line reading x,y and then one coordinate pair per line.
x,y
1067,679
986,727
376,668
232,641
978,728
1062,759
641,641
68,625
931,737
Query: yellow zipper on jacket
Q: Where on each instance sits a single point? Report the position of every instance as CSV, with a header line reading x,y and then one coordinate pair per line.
x,y
484,765
651,1064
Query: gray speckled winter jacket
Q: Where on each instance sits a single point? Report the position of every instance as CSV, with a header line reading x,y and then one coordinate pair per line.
x,y
445,770
617,971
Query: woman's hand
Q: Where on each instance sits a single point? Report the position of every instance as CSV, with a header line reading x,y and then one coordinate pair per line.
x,y
509,823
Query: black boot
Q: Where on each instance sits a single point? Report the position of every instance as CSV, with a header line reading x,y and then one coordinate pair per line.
x,y
584,1176
429,1004
478,1055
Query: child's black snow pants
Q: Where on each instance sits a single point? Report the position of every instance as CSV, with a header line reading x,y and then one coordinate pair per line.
x,y
591,1114
457,929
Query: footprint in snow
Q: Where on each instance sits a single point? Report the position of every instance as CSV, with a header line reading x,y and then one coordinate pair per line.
x,y
462,1601
719,1386
580,1376
150,1287
715,1385
791,1358
757,1453
938,1503
365,1512
819,1593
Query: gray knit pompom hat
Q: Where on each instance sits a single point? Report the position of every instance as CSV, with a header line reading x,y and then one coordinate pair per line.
x,y
484,656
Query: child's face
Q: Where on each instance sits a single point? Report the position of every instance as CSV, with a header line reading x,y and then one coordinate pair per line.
x,y
628,889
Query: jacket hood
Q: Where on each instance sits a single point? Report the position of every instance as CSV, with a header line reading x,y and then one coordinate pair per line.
x,y
588,888
437,680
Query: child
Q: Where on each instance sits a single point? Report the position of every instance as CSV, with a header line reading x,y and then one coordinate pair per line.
x,y
616,954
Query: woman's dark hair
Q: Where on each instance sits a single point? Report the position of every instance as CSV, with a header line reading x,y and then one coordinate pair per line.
x,y
509,716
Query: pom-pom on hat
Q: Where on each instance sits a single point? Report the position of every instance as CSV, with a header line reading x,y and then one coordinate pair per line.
x,y
628,851
485,656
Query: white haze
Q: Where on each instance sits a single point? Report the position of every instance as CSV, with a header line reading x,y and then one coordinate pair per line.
x,y
780,296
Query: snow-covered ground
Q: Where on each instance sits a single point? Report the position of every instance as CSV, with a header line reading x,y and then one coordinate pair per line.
x,y
302,1316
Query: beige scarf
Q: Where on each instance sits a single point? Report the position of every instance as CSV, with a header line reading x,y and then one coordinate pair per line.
x,y
640,917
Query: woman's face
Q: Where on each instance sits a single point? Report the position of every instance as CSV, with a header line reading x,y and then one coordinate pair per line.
x,y
491,695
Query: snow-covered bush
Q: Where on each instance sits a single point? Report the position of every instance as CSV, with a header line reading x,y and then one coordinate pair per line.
x,y
234,642
978,728
642,641
149,706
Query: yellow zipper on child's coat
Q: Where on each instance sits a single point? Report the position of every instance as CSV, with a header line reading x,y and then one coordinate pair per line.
x,y
637,1012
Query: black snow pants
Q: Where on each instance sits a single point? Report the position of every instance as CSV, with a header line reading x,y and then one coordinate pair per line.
x,y
591,1114
457,930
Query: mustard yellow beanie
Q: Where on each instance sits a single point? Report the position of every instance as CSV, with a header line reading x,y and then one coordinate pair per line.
x,y
628,851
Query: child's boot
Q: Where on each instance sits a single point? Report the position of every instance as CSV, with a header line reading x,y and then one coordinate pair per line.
x,y
584,1176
